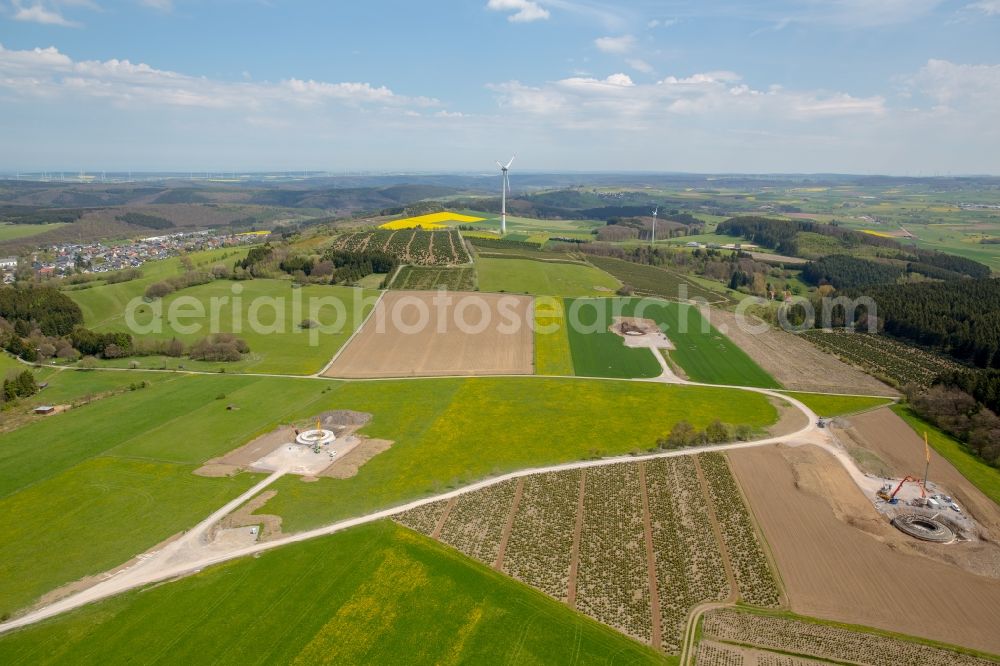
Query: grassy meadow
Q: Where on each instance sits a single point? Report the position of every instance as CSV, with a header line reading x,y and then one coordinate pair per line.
x,y
278,345
16,231
369,594
527,276
552,353
838,405
86,490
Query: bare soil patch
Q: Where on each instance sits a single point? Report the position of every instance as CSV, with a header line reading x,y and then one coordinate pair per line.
x,y
245,517
347,466
640,333
409,335
810,511
901,451
795,363
790,419
244,456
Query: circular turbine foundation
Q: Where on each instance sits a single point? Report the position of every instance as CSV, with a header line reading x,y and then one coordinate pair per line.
x,y
315,437
924,528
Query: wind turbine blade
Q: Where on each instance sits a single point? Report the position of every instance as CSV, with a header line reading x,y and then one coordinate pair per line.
x,y
499,165
511,161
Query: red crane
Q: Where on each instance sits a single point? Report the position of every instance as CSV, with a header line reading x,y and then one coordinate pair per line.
x,y
888,497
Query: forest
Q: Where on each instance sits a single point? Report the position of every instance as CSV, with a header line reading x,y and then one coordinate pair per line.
x,y
847,272
46,308
960,318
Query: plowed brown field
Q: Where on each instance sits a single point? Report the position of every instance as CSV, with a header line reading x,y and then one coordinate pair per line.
x,y
902,449
808,507
794,362
409,335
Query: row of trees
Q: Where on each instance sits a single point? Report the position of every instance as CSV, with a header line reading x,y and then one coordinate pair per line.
x,y
960,414
736,269
183,281
683,434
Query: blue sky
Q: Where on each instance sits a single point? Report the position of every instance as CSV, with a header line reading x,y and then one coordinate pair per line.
x,y
863,86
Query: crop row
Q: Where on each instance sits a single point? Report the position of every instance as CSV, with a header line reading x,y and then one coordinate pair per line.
x,y
750,566
882,356
718,654
828,642
462,278
689,568
612,575
425,518
541,536
410,246
477,519
612,569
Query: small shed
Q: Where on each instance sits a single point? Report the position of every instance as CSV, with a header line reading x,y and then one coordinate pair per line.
x,y
45,409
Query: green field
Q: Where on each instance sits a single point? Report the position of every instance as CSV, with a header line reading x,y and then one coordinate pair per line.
x,y
552,353
117,479
370,594
278,345
838,405
981,475
462,278
84,491
701,351
15,231
373,281
596,351
527,276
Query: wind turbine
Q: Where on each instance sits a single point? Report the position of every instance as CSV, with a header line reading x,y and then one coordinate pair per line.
x,y
504,189
655,211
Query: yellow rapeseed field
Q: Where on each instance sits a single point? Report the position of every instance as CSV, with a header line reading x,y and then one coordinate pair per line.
x,y
430,221
880,234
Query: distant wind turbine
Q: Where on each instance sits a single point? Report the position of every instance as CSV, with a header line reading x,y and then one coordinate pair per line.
x,y
504,189
655,211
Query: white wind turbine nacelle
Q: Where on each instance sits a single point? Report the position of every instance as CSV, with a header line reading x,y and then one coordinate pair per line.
x,y
504,189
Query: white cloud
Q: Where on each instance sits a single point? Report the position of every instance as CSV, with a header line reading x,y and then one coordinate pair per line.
x,y
621,44
661,23
958,86
47,72
619,102
990,7
861,13
639,65
159,5
39,13
523,11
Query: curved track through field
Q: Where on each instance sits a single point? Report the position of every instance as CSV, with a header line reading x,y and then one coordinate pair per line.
x,y
191,553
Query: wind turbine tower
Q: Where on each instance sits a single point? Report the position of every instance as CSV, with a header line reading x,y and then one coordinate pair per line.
x,y
655,211
504,189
